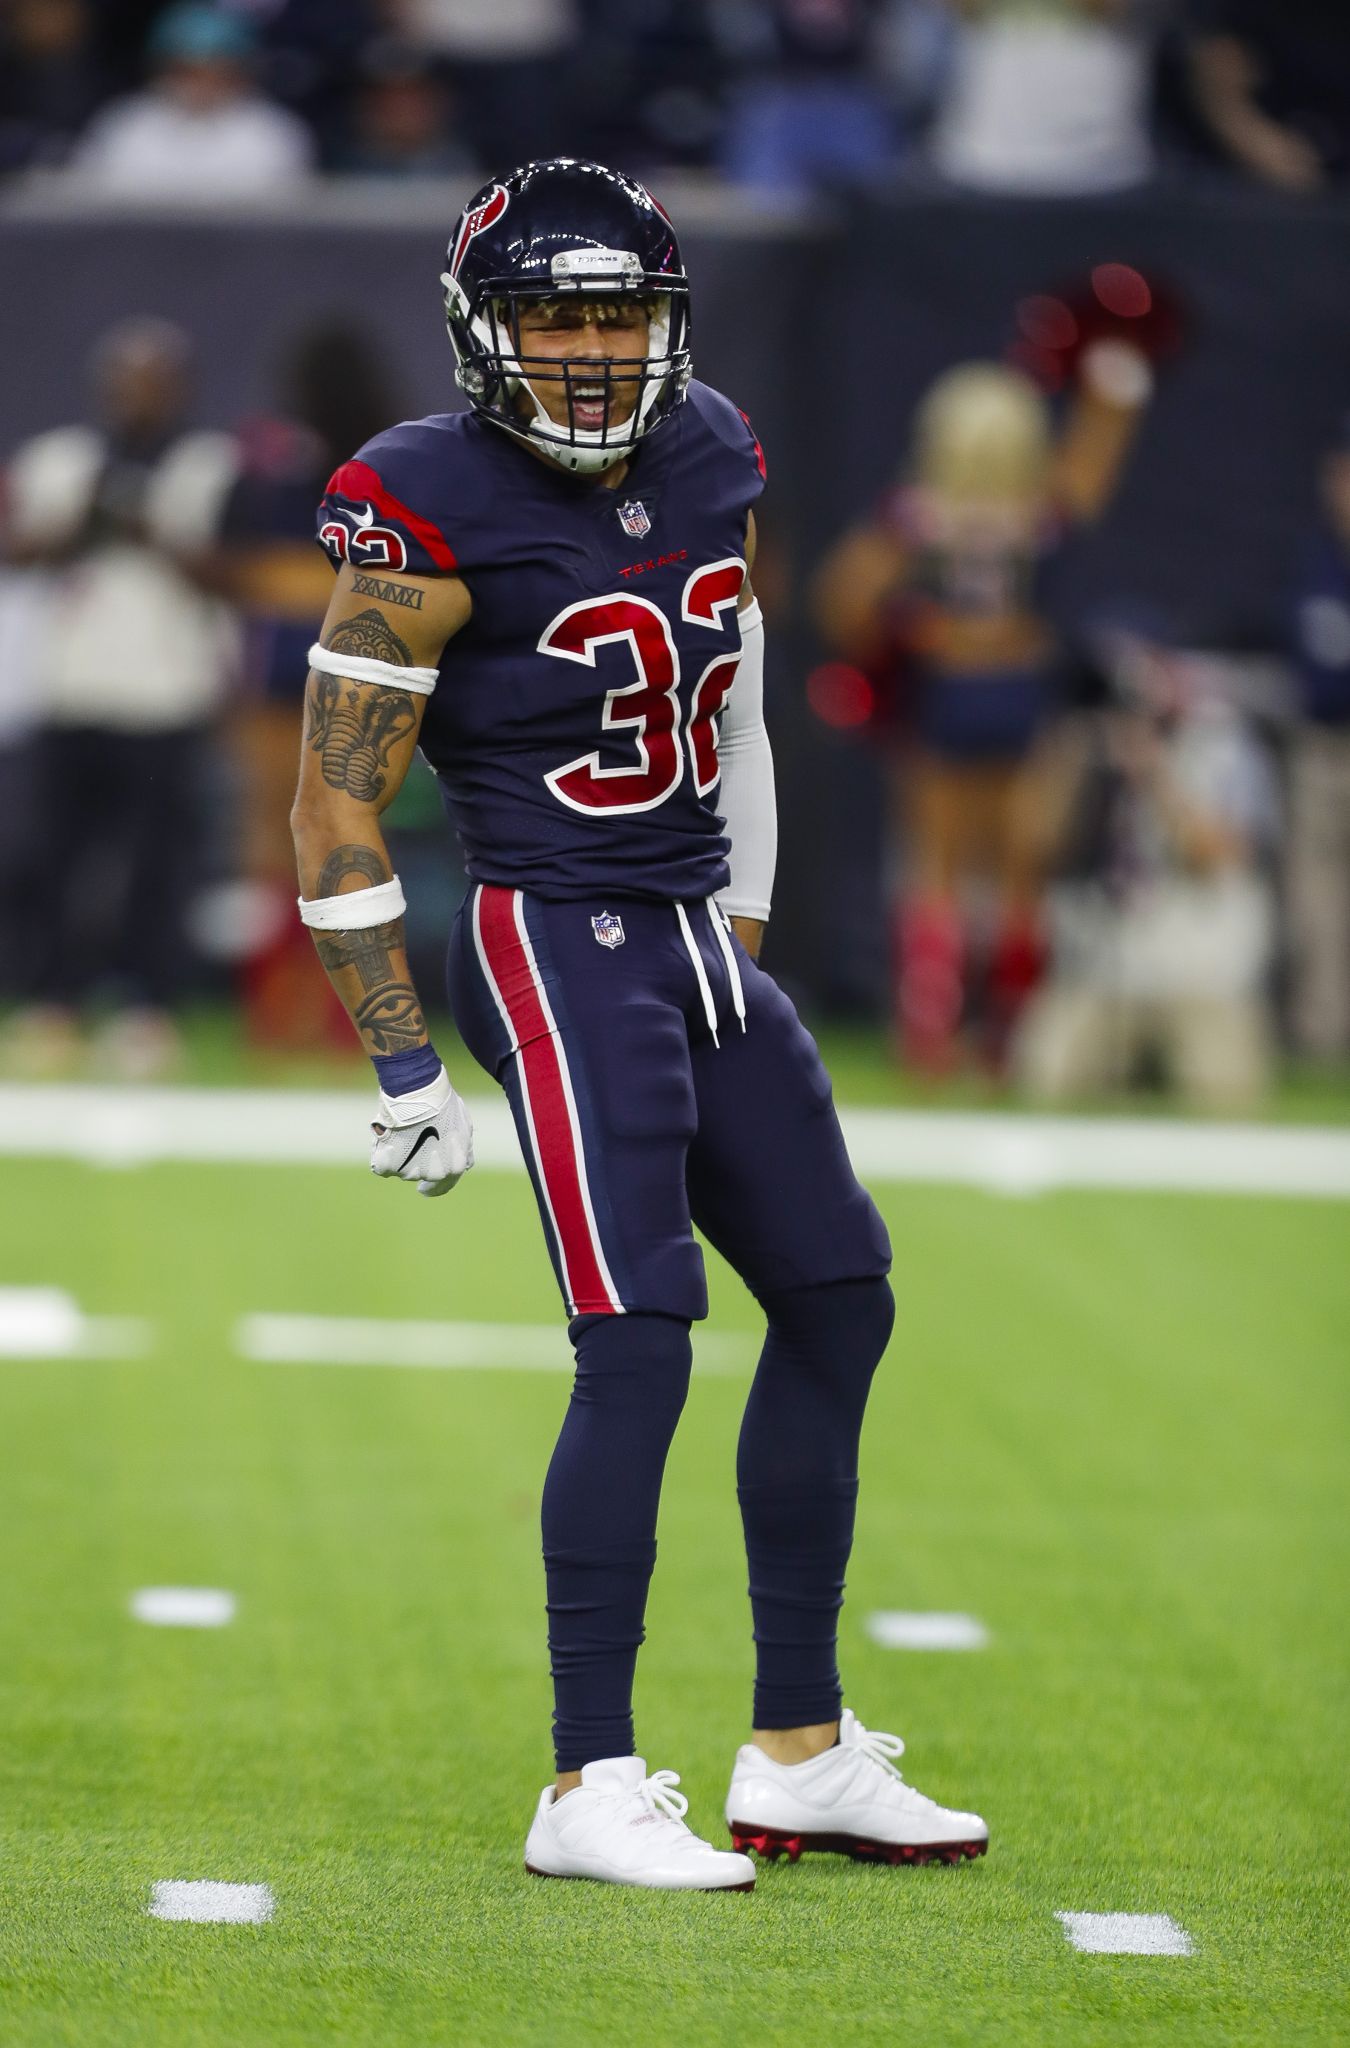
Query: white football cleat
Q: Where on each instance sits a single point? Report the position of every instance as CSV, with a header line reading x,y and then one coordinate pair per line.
x,y
851,1799
622,1827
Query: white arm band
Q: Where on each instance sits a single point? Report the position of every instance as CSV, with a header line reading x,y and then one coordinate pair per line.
x,y
355,911
360,668
747,800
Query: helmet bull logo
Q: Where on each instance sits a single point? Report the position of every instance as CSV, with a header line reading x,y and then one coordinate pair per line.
x,y
476,220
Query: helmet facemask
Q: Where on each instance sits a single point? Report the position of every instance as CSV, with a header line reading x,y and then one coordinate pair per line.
x,y
498,373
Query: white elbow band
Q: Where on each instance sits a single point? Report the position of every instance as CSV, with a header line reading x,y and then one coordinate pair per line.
x,y
747,801
360,668
355,911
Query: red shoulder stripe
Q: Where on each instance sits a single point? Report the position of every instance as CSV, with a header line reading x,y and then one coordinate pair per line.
x,y
759,452
359,480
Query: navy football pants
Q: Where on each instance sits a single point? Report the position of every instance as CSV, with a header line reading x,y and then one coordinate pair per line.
x,y
646,1104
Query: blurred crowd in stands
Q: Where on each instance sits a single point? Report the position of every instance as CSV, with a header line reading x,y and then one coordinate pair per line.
x,y
1117,853
150,101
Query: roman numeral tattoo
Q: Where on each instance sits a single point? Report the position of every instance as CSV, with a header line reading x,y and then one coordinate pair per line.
x,y
388,593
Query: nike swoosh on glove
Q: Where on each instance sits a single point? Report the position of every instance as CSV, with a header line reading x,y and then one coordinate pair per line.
x,y
426,1136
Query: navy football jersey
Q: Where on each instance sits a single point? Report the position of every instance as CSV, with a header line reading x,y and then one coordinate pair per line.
x,y
574,725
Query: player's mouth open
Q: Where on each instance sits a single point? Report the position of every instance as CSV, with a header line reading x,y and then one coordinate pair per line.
x,y
589,406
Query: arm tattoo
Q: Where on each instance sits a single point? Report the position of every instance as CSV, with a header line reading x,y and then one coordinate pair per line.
x,y
388,593
391,1017
371,636
352,859
367,951
387,1011
353,728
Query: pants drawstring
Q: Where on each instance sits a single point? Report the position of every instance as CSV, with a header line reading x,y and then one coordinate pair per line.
x,y
700,973
721,929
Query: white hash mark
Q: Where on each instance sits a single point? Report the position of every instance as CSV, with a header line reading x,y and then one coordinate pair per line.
x,y
1126,1934
201,1899
183,1606
897,1630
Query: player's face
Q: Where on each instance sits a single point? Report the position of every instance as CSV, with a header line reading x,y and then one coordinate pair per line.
x,y
586,333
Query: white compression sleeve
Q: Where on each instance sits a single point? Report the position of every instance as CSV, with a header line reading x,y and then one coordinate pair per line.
x,y
360,668
356,911
747,800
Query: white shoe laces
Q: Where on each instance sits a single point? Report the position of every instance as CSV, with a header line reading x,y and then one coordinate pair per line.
x,y
880,1749
658,1791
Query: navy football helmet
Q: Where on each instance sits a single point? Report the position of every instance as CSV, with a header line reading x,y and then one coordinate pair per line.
x,y
550,230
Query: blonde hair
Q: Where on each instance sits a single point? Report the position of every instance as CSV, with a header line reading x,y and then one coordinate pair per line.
x,y
982,431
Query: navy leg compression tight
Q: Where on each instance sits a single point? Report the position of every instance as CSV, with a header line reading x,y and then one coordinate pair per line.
x,y
797,1474
797,1477
600,1501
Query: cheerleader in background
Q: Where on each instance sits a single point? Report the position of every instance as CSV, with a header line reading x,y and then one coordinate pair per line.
x,y
944,587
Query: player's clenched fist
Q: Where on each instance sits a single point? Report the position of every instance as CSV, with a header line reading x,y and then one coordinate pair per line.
x,y
426,1136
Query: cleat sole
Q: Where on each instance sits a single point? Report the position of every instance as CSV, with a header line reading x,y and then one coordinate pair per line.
x,y
579,1877
771,1843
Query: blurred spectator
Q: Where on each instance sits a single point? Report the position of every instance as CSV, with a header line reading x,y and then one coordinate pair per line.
x,y
50,79
1319,777
940,600
200,131
649,94
809,113
1048,99
509,60
1272,87
334,397
1158,813
402,120
23,603
133,656
309,52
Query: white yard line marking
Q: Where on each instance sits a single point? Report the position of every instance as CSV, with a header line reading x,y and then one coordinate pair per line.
x,y
125,1127
38,1322
201,1899
183,1606
45,1322
1126,1934
495,1347
895,1630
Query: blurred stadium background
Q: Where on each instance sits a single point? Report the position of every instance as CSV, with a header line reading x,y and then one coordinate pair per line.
x,y
1042,314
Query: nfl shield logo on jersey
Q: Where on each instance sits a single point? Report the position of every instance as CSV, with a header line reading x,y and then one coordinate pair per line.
x,y
633,518
608,928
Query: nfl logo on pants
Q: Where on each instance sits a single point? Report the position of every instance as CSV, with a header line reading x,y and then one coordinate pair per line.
x,y
633,518
608,928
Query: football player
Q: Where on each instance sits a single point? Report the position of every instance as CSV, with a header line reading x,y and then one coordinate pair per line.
x,y
550,594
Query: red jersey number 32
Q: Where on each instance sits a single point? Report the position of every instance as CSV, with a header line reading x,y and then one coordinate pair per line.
x,y
649,707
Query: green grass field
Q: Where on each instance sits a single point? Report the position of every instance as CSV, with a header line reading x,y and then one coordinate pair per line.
x,y
1111,1427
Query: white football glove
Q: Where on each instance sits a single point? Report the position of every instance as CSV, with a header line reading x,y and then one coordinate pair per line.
x,y
426,1136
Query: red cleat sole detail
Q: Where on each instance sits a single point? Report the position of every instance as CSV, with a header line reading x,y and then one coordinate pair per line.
x,y
575,1877
771,1843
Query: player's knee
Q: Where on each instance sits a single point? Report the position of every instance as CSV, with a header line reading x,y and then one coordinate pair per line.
x,y
632,1361
844,1324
